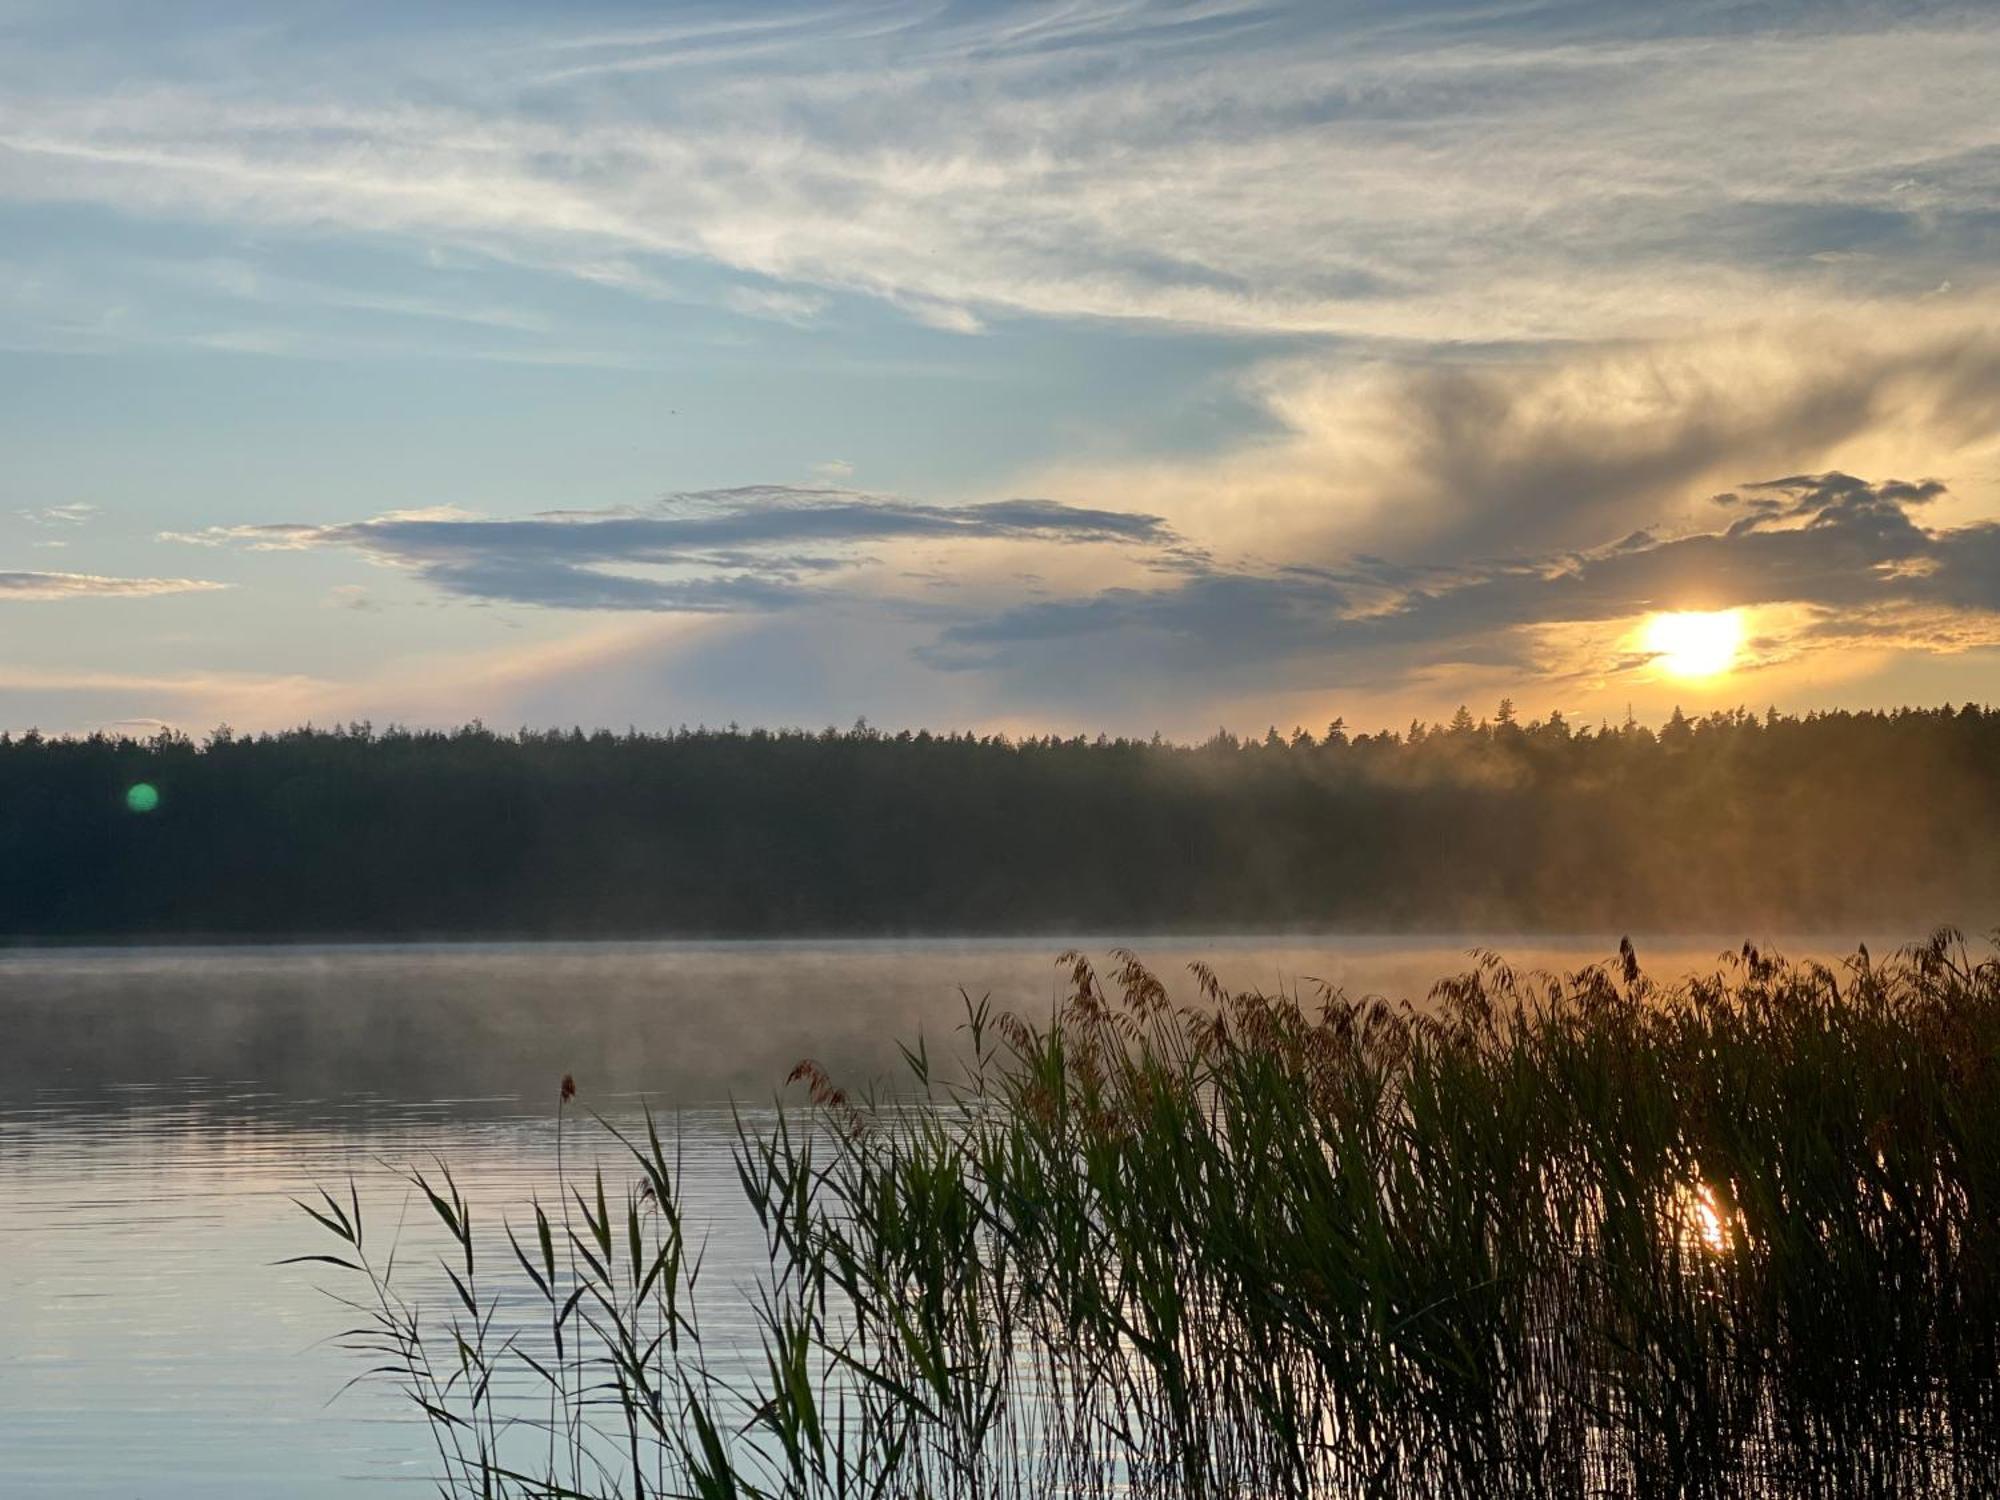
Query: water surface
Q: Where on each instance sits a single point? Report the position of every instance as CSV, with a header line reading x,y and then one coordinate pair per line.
x,y
159,1107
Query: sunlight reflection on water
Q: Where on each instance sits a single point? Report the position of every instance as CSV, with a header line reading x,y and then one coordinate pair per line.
x,y
1701,1220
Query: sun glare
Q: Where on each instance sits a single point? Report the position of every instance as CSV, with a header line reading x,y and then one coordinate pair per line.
x,y
1701,1220
1694,643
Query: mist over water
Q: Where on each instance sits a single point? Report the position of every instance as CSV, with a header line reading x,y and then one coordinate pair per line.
x,y
490,1028
158,1108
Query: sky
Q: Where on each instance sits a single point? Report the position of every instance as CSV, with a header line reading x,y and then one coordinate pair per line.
x,y
1093,365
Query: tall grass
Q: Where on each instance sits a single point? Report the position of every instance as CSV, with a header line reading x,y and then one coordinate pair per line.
x,y
1542,1235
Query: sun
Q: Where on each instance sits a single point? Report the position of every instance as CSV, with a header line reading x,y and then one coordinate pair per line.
x,y
1695,643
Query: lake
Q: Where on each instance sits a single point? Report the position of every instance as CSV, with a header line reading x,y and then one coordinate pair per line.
x,y
159,1107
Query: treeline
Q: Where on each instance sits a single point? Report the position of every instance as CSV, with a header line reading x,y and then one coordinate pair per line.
x,y
1733,823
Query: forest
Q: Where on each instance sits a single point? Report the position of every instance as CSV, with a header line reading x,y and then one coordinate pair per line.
x,y
1734,823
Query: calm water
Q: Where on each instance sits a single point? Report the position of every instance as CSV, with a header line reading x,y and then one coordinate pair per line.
x,y
158,1107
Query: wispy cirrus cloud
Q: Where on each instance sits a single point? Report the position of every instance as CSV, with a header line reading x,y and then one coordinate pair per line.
x,y
76,513
1244,167
45,586
801,309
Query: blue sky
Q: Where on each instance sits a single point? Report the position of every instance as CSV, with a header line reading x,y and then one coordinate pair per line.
x,y
1095,364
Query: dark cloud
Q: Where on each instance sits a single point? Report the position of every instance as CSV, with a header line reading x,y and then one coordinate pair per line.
x,y
1841,548
1829,542
746,549
1226,616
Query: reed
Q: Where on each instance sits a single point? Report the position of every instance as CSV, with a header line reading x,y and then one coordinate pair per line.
x,y
1541,1235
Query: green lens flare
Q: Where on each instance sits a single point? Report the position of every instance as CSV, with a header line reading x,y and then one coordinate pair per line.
x,y
142,797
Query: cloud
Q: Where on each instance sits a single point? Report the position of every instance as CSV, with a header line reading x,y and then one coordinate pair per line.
x,y
1434,461
351,596
75,514
246,281
42,586
1839,548
69,701
1827,560
800,309
1536,306
754,548
1455,175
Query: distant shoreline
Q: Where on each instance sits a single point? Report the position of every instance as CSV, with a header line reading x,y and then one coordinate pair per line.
x,y
1784,941
1733,823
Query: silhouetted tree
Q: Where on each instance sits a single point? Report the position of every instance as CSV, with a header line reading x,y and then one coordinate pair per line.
x,y
1730,822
